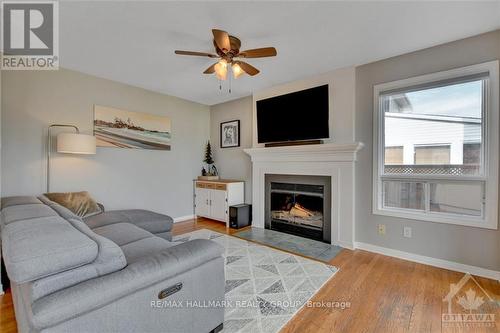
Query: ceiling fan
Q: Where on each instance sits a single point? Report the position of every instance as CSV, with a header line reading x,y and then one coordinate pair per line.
x,y
228,51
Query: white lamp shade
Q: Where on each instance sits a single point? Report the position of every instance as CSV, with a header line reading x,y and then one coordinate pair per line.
x,y
76,143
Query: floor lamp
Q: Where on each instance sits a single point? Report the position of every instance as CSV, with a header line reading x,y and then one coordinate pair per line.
x,y
69,143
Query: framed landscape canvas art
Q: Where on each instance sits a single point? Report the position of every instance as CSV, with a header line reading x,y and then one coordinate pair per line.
x,y
230,134
126,129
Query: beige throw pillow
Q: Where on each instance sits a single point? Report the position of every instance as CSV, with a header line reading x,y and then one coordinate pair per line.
x,y
80,203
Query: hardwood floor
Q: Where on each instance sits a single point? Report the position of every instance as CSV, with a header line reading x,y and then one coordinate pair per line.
x,y
385,295
7,318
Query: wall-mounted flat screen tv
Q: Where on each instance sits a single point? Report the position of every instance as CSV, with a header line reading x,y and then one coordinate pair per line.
x,y
301,115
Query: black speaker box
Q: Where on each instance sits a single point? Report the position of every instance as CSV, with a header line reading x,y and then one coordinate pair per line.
x,y
240,216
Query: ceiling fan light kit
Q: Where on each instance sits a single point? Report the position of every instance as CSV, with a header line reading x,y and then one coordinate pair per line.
x,y
227,48
221,69
237,71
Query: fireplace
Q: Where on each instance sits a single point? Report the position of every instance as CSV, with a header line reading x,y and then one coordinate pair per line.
x,y
333,161
299,205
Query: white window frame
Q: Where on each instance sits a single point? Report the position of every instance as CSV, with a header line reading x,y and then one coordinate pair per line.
x,y
489,154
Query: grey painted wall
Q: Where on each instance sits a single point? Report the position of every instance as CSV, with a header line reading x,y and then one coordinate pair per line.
x,y
119,178
467,245
161,181
341,85
233,163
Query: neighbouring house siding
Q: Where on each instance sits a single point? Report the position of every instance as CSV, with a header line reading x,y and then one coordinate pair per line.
x,y
411,133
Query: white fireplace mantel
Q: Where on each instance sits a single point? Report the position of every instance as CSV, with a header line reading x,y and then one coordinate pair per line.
x,y
334,160
308,153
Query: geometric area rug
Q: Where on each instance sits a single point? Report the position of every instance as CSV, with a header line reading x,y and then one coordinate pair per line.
x,y
265,287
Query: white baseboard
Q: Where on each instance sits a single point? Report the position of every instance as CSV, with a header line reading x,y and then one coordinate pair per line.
x,y
346,245
441,263
183,218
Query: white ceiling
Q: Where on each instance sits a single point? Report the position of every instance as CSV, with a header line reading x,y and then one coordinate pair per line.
x,y
134,42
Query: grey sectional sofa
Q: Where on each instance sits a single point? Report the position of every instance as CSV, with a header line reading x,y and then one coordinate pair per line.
x,y
115,272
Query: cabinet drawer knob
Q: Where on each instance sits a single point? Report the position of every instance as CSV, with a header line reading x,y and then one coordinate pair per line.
x,y
221,187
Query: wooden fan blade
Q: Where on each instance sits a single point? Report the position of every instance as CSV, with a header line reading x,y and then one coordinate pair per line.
x,y
199,54
222,40
210,69
247,68
258,53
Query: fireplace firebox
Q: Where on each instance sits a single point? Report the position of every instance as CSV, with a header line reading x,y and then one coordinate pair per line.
x,y
299,205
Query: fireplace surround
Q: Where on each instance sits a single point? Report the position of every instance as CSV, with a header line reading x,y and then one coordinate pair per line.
x,y
336,161
299,205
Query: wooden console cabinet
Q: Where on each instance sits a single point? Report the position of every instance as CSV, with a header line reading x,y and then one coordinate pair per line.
x,y
213,198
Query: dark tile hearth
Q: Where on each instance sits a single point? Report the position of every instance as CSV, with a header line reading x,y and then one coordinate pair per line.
x,y
291,243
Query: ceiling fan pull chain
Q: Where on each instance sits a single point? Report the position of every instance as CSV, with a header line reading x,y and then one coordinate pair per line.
x,y
230,81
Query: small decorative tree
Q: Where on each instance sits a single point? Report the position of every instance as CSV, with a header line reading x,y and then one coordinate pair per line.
x,y
208,154
211,169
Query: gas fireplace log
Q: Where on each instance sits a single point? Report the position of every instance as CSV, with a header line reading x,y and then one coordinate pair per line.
x,y
301,211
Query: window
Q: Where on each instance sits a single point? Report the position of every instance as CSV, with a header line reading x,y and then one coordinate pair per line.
x,y
408,195
432,138
432,154
450,198
472,153
393,155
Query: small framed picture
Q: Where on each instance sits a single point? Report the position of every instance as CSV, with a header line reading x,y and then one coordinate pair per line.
x,y
230,134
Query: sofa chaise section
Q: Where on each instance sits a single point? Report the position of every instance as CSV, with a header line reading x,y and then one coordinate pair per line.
x,y
157,224
109,278
134,292
34,247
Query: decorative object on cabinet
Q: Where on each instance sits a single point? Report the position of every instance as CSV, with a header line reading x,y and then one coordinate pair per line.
x,y
230,134
210,173
213,198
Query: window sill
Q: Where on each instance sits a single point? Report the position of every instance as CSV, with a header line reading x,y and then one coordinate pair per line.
x,y
477,222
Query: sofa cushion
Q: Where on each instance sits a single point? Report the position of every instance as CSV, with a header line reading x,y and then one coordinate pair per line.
x,y
19,200
38,247
64,212
80,203
134,241
147,220
165,235
145,247
24,212
110,258
122,233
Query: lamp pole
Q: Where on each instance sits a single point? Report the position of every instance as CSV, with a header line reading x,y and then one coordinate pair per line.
x,y
49,147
